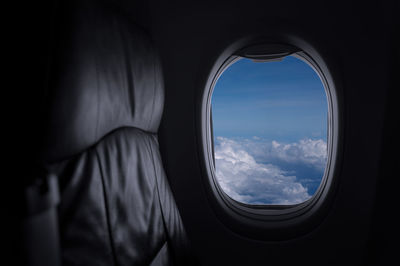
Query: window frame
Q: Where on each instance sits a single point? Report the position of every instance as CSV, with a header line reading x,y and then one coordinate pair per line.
x,y
272,217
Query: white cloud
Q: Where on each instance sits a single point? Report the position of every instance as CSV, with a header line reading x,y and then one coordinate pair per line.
x,y
307,151
243,177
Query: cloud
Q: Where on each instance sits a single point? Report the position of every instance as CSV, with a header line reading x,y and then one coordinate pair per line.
x,y
307,151
245,172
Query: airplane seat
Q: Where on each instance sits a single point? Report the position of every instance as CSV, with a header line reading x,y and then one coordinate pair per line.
x,y
105,105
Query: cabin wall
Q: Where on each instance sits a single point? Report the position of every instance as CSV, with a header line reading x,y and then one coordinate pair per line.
x,y
354,38
358,41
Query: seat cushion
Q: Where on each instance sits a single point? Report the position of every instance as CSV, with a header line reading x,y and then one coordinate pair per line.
x,y
105,74
116,206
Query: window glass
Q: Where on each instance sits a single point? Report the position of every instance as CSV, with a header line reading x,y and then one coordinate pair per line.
x,y
269,122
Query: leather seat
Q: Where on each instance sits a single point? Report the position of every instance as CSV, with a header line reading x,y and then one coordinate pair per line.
x,y
106,100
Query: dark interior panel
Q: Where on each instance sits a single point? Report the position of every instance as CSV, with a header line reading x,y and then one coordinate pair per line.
x,y
359,42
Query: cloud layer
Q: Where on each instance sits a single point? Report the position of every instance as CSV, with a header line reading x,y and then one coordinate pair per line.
x,y
250,171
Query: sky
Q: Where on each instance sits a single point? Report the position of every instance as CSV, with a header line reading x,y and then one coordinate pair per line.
x,y
270,131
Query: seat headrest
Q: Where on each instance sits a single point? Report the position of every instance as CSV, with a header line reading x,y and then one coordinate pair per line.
x,y
106,75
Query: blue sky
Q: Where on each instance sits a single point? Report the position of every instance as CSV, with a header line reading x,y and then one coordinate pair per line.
x,y
274,100
270,128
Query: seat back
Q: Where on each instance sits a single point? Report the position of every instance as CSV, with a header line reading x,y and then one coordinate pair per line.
x,y
106,101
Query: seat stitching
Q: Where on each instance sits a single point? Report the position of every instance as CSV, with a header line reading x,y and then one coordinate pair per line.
x,y
158,191
107,209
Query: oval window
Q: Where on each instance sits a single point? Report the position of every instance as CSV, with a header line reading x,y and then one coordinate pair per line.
x,y
269,124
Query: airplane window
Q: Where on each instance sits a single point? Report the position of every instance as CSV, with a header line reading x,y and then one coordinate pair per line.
x,y
270,128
